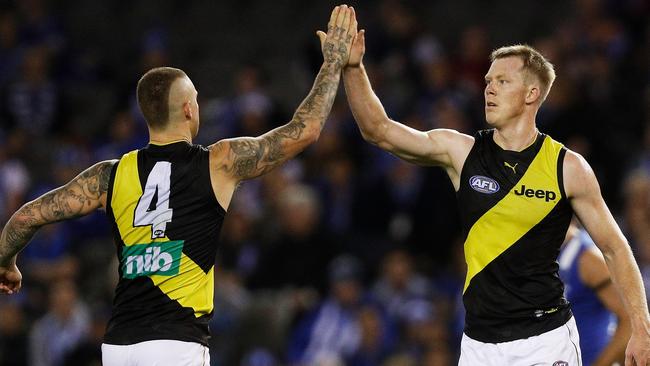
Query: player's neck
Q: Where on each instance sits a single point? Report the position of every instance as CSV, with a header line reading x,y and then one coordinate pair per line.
x,y
169,136
516,136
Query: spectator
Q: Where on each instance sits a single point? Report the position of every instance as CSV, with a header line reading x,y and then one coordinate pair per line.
x,y
61,329
13,334
33,99
332,332
399,285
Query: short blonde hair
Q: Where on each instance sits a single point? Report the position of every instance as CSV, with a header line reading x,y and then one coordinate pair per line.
x,y
534,64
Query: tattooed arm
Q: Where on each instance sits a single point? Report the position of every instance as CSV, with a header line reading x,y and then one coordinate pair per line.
x,y
79,197
237,159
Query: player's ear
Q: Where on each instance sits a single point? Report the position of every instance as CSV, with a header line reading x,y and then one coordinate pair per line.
x,y
534,94
187,110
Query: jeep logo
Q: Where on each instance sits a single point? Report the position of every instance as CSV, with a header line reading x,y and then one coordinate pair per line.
x,y
161,259
539,193
483,184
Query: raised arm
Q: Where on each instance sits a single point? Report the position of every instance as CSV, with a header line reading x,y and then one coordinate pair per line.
x,y
442,147
249,157
82,195
584,194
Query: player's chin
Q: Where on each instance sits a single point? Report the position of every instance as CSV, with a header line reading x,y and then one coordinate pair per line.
x,y
490,118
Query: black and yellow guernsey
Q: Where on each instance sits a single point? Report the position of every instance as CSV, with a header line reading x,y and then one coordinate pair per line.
x,y
515,215
166,222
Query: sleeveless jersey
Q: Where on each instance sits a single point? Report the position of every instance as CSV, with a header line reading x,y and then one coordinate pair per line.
x,y
515,216
595,322
166,222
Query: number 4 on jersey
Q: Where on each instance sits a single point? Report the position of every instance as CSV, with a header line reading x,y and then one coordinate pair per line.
x,y
153,206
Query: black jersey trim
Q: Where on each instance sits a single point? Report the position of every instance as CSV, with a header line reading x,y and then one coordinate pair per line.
x,y
560,172
117,239
109,192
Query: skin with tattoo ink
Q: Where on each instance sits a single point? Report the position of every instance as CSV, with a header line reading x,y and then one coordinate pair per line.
x,y
82,195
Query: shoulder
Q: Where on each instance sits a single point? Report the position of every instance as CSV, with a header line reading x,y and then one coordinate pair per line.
x,y
218,152
451,139
575,162
578,175
104,165
100,171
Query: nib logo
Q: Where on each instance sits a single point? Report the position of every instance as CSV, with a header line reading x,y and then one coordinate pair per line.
x,y
161,259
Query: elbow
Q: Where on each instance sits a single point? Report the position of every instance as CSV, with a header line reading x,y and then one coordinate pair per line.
x,y
615,250
374,135
312,135
24,218
370,137
23,221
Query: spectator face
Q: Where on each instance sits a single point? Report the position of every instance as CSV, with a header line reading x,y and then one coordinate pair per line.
x,y
12,319
63,298
35,65
7,30
437,356
346,292
398,269
300,211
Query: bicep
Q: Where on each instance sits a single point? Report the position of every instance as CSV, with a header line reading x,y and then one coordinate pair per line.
x,y
434,147
249,157
588,204
82,195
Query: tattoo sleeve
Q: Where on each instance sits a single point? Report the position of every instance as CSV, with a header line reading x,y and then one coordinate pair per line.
x,y
252,157
79,197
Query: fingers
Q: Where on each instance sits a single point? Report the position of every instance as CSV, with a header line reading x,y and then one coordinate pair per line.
x,y
343,20
9,288
341,32
353,26
360,40
332,22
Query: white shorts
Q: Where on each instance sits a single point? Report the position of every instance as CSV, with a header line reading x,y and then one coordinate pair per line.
x,y
156,353
558,347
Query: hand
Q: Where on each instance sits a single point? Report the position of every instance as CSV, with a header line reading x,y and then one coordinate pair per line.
x,y
638,350
10,279
341,31
358,49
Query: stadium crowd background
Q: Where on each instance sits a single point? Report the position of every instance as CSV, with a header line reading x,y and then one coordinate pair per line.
x,y
345,254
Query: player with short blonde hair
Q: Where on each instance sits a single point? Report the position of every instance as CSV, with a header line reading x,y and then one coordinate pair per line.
x,y
517,190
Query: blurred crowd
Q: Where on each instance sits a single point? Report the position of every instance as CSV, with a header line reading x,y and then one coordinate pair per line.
x,y
345,255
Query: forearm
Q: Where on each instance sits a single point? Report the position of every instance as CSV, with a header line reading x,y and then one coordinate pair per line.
x,y
627,278
248,158
18,231
314,109
79,197
366,107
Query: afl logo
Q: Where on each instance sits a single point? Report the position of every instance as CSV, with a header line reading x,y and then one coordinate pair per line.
x,y
483,184
561,363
